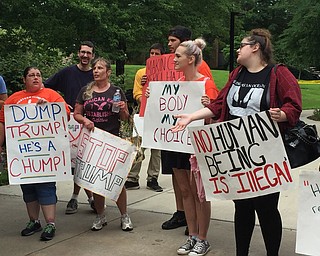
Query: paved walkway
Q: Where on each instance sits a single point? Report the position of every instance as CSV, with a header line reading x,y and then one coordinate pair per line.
x,y
148,210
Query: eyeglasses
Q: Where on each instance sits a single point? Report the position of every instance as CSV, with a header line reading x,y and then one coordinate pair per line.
x,y
34,75
85,52
244,44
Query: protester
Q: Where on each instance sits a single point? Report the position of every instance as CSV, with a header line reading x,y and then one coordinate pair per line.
x,y
69,81
188,56
3,91
155,157
94,109
35,195
271,88
176,36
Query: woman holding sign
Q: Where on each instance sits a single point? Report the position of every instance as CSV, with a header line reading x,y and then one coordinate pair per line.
x,y
94,109
188,56
256,85
35,195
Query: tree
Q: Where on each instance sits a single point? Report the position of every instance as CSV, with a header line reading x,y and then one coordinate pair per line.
x,y
21,51
300,42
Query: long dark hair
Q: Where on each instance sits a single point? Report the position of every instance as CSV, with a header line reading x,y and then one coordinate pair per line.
x,y
263,38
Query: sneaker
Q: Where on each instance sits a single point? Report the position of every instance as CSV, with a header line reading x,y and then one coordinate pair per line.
x,y
131,185
99,222
153,185
48,232
126,224
93,206
32,227
187,246
175,222
72,206
200,248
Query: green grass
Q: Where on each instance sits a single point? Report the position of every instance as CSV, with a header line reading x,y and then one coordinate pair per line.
x,y
310,96
220,77
310,92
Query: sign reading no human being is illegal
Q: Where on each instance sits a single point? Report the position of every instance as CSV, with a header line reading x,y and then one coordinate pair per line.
x,y
241,158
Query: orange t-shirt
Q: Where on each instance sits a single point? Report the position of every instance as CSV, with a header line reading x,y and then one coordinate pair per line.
x,y
210,88
204,69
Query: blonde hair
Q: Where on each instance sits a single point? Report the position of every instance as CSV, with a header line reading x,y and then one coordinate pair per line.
x,y
89,89
194,48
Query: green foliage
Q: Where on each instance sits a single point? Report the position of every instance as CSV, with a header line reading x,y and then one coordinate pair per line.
x,y
300,41
124,30
21,52
121,29
316,115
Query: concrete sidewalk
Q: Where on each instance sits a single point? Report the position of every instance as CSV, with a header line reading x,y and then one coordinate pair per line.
x,y
147,209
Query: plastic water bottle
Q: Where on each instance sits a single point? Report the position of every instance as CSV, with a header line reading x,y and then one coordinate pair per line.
x,y
116,99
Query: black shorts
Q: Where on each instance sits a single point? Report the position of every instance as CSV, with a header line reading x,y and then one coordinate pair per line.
x,y
171,159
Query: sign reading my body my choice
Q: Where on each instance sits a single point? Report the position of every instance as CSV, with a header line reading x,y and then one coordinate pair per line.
x,y
166,100
37,143
241,158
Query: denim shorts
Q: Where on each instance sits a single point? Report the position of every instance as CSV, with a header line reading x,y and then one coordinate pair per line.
x,y
44,193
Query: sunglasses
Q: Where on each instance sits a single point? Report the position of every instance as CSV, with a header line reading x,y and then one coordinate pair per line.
x,y
244,44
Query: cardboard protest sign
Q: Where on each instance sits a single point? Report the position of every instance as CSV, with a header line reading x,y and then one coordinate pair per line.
x,y
159,68
103,162
166,100
74,129
37,146
308,236
241,158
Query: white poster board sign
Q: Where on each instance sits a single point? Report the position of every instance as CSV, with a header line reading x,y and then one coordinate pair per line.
x,y
138,122
166,100
37,146
308,235
103,162
241,158
74,129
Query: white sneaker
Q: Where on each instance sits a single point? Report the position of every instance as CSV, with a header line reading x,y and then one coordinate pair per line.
x,y
126,223
99,222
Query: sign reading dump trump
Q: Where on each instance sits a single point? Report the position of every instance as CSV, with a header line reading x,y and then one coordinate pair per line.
x,y
308,236
241,158
166,100
38,148
103,162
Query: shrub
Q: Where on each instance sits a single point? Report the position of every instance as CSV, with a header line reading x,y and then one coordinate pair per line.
x,y
20,52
